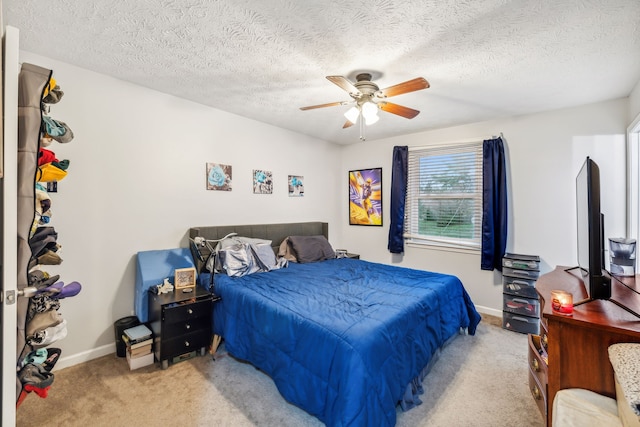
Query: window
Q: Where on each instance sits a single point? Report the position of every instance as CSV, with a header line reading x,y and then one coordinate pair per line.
x,y
444,196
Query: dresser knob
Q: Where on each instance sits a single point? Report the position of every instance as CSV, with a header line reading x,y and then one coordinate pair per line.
x,y
535,365
536,392
190,311
186,344
187,326
543,340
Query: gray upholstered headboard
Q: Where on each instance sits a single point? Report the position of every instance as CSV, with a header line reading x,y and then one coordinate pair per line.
x,y
274,232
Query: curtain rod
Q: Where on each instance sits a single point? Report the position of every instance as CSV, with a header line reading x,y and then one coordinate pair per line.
x,y
463,141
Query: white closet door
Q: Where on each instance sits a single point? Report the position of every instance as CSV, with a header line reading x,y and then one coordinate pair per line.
x,y
8,307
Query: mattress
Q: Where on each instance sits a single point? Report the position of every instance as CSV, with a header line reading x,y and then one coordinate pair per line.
x,y
342,338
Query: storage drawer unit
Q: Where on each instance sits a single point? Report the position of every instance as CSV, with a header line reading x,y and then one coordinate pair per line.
x,y
521,306
181,323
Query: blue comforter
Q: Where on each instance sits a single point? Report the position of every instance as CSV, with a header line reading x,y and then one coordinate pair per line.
x,y
342,338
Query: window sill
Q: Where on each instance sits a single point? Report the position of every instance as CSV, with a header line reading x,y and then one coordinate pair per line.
x,y
444,247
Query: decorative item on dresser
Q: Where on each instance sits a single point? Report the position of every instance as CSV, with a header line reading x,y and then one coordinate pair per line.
x,y
181,324
572,350
521,309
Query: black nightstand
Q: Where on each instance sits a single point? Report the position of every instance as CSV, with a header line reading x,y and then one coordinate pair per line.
x,y
354,256
181,323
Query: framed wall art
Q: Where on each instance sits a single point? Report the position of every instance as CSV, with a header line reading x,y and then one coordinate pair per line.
x,y
218,177
296,186
365,197
262,182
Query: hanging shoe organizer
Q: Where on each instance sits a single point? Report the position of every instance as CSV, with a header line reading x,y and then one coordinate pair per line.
x,y
40,322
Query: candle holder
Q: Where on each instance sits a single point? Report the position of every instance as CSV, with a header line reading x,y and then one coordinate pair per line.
x,y
562,302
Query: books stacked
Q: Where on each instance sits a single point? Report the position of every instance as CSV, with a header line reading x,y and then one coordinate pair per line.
x,y
139,342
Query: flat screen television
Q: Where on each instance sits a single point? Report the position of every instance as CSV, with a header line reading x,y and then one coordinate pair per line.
x,y
590,221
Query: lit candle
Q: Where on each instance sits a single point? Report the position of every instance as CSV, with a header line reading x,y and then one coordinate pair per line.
x,y
562,302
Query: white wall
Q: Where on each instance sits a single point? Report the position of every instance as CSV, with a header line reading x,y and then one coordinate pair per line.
x,y
136,182
545,152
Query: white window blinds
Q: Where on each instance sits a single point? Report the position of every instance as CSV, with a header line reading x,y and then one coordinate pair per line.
x,y
444,195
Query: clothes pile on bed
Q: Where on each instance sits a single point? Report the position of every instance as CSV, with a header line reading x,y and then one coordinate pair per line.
x,y
344,339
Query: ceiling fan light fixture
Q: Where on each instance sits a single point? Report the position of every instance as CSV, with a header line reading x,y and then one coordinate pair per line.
x,y
371,119
370,112
352,114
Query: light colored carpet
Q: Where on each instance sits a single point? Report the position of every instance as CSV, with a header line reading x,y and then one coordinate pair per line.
x,y
478,380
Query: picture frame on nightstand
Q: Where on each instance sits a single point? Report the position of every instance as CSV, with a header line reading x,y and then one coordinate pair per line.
x,y
184,278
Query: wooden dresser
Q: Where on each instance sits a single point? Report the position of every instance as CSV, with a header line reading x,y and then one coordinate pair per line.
x,y
571,351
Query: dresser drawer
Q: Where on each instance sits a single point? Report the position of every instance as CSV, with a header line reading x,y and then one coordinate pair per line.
x,y
185,343
521,305
539,393
172,313
538,359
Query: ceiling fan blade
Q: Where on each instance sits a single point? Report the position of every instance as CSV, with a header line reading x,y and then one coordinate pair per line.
x,y
330,104
347,124
344,84
399,110
408,86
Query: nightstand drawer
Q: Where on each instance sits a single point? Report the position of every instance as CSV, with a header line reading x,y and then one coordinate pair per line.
x,y
173,313
170,330
186,343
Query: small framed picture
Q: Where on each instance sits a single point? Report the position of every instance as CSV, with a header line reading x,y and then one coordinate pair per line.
x,y
184,278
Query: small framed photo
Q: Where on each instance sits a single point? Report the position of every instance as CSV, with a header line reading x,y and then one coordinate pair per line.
x,y
219,177
184,278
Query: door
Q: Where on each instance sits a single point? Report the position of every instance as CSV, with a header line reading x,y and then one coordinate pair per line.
x,y
9,213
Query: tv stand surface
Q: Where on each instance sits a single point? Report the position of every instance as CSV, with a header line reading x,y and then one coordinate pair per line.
x,y
577,345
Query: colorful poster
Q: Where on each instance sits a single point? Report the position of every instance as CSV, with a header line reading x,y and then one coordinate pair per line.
x,y
365,197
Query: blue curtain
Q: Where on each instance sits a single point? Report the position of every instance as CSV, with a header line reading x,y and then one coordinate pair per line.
x,y
494,204
398,194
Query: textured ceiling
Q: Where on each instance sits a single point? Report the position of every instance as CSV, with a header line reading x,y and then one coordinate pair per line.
x,y
263,59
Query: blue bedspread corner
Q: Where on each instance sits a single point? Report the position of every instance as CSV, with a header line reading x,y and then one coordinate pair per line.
x,y
474,316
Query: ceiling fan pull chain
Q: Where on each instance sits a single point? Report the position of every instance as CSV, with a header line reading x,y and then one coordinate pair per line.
x,y
362,126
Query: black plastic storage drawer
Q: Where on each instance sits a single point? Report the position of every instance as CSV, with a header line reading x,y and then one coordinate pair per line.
x,y
519,287
525,274
519,261
521,305
522,324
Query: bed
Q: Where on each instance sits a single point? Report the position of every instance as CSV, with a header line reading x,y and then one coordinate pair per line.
x,y
344,339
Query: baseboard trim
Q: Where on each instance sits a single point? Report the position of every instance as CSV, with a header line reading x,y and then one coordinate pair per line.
x,y
489,311
85,356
